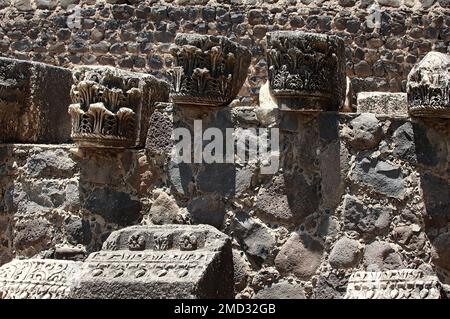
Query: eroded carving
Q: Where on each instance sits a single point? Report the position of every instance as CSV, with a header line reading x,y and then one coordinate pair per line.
x,y
37,279
428,86
392,284
111,107
209,70
306,70
171,261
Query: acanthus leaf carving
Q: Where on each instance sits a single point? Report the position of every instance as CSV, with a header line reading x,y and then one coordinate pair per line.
x,y
209,70
306,70
110,107
428,86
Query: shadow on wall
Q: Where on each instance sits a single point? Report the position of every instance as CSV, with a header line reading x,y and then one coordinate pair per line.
x,y
310,177
431,154
207,184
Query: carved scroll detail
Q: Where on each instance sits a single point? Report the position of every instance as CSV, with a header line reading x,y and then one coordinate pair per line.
x,y
306,70
428,86
392,284
210,70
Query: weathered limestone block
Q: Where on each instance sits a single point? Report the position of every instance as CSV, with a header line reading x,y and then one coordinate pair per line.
x,y
37,279
386,103
33,98
111,107
428,86
209,70
171,261
306,70
392,284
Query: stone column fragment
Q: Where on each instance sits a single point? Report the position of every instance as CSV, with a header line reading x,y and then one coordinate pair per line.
x,y
210,70
428,86
111,107
306,70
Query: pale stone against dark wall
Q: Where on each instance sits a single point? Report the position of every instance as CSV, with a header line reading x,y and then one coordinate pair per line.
x,y
137,34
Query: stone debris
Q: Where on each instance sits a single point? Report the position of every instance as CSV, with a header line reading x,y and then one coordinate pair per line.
x,y
428,86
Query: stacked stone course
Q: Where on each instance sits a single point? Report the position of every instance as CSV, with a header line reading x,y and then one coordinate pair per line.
x,y
359,202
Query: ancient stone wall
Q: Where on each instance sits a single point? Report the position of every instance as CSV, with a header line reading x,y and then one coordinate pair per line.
x,y
354,192
384,38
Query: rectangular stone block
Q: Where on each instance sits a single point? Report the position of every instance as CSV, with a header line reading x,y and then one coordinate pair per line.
x,y
392,284
37,279
159,262
385,103
33,102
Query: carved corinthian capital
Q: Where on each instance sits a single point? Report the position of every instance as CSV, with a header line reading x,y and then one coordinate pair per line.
x,y
111,107
306,70
209,70
428,86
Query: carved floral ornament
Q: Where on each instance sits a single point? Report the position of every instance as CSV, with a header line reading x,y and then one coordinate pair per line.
x,y
209,71
306,70
428,86
110,106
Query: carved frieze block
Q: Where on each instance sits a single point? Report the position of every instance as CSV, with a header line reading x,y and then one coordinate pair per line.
x,y
111,107
33,99
392,284
170,261
37,279
306,70
209,70
428,86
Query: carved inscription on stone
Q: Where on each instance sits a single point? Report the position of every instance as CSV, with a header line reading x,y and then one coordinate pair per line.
x,y
37,279
392,284
111,107
428,86
171,261
306,70
209,71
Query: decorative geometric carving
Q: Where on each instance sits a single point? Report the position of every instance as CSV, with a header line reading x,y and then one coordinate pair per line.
x,y
111,107
392,284
306,70
170,261
428,86
209,70
37,279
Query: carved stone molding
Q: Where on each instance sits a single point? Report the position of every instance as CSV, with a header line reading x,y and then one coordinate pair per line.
x,y
392,284
306,70
209,70
37,279
428,86
170,261
111,107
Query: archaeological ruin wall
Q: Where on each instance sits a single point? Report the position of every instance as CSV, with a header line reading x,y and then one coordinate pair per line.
x,y
351,200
